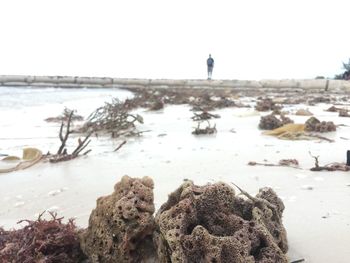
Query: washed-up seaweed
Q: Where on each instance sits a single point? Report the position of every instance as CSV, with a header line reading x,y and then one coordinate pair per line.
x,y
204,115
328,167
65,116
284,163
200,99
114,118
49,241
207,130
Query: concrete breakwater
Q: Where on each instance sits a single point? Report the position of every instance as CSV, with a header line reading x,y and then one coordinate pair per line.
x,y
105,82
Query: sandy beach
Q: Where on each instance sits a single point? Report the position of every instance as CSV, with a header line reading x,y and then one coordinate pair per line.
x,y
316,217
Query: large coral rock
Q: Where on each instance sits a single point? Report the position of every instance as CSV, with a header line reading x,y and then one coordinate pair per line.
x,y
121,227
313,124
212,224
270,122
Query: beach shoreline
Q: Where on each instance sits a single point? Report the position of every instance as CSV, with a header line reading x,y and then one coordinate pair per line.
x,y
169,153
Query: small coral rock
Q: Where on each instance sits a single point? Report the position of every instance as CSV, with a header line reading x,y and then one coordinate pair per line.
x,y
313,124
271,122
343,113
303,112
266,104
211,224
121,226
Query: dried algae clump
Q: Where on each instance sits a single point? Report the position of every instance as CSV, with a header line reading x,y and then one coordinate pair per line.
x,y
212,224
291,127
121,226
41,241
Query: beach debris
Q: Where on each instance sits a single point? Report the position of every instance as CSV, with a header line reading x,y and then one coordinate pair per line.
x,y
319,99
344,113
197,224
65,116
270,122
204,115
290,127
30,157
288,162
298,260
327,215
328,167
121,226
114,118
313,124
267,104
157,105
41,241
62,153
292,131
200,99
333,109
207,130
211,223
120,146
303,112
284,162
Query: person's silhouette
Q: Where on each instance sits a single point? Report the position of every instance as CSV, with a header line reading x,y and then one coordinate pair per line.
x,y
210,64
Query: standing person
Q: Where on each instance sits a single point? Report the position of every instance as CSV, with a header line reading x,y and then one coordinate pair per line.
x,y
210,64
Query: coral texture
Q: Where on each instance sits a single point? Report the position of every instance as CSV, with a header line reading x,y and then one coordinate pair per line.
x,y
120,228
211,224
266,104
313,124
270,122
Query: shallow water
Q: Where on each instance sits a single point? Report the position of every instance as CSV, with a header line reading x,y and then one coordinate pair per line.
x,y
315,219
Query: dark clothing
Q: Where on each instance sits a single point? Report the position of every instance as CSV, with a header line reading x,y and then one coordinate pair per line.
x,y
210,64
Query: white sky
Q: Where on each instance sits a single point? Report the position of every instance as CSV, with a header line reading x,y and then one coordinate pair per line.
x,y
249,39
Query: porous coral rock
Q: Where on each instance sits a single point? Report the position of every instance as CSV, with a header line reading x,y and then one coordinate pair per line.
x,y
121,226
313,124
270,122
266,104
211,224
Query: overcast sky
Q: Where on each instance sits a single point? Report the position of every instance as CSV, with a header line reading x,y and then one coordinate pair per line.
x,y
248,39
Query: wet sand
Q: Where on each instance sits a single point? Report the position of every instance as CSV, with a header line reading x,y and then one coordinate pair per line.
x,y
317,221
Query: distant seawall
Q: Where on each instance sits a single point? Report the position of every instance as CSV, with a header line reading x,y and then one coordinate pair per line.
x,y
97,82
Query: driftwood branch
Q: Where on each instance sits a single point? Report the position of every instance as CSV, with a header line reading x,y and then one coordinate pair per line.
x,y
120,146
68,131
320,137
329,167
62,154
293,163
